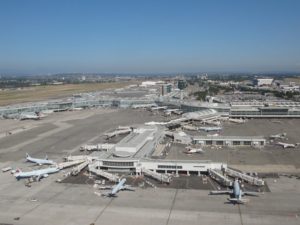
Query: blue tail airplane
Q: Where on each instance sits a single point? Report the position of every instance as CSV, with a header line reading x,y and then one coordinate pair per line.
x,y
236,193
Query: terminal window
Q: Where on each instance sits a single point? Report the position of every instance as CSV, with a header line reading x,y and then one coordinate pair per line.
x,y
236,143
208,142
220,143
119,164
169,167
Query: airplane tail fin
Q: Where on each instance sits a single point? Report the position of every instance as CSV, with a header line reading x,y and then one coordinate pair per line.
x,y
27,155
18,170
46,157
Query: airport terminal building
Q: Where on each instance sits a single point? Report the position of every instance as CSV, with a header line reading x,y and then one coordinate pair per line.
x,y
137,166
134,152
230,141
265,109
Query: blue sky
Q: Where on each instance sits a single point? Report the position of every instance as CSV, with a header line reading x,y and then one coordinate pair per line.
x,y
148,36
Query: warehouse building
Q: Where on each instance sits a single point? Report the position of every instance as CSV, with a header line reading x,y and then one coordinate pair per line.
x,y
263,82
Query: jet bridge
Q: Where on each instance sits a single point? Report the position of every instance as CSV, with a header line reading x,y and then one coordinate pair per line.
x,y
219,177
157,176
64,165
102,173
76,170
250,179
80,157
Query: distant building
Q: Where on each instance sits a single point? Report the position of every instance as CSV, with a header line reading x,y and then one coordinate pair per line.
x,y
292,87
166,88
263,82
286,88
181,84
57,83
150,83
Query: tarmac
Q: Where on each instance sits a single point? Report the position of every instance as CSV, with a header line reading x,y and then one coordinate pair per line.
x,y
271,158
63,133
48,202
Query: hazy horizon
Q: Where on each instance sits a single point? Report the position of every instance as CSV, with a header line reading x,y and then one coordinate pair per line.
x,y
140,37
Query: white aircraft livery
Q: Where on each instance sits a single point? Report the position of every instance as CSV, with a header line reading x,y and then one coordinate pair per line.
x,y
36,173
236,193
45,161
116,188
287,145
190,150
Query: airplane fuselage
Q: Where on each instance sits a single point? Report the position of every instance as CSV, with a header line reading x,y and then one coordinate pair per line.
x,y
286,145
36,173
237,192
118,187
40,161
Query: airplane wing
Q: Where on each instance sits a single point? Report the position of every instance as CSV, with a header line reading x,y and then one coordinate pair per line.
x,y
251,193
221,192
106,194
127,188
105,187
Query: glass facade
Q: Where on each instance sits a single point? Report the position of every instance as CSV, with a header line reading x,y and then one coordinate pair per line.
x,y
118,163
168,167
236,143
266,112
219,142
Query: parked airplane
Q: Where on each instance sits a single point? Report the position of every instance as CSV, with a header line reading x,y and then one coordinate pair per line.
x,y
117,132
236,120
47,111
38,174
207,129
76,109
190,150
172,110
138,106
236,193
31,116
45,161
159,108
175,111
278,136
178,112
287,145
211,122
155,123
116,188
